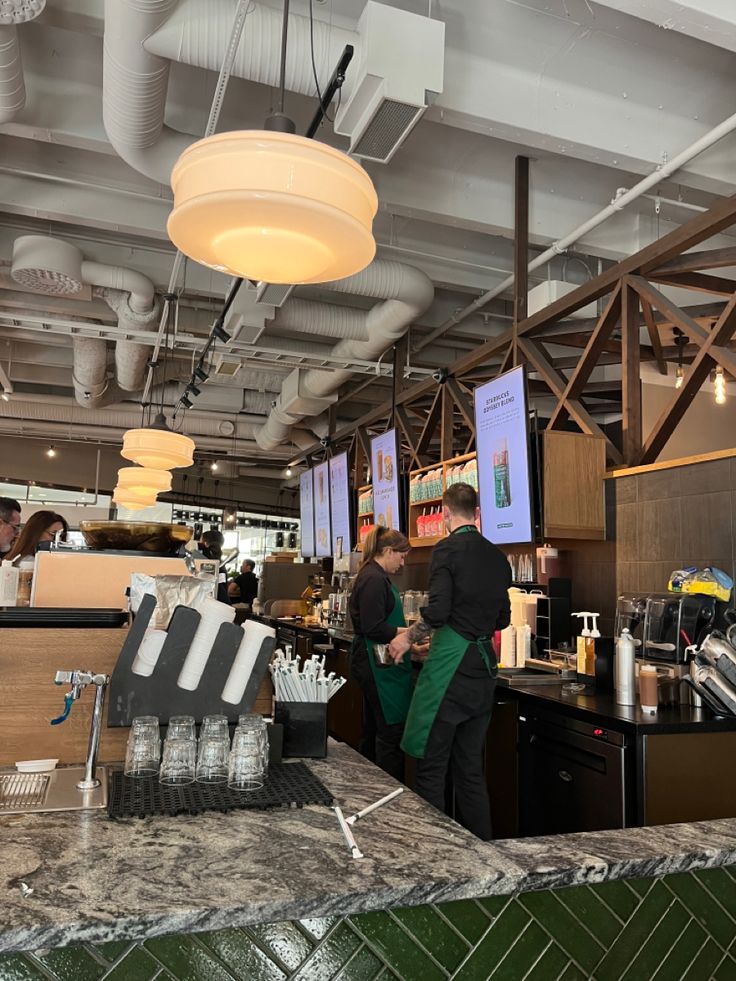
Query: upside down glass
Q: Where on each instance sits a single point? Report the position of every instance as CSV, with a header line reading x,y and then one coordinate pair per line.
x,y
212,759
181,727
256,723
143,752
178,763
247,761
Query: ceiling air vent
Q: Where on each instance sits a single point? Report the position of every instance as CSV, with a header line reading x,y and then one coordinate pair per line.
x,y
386,130
226,367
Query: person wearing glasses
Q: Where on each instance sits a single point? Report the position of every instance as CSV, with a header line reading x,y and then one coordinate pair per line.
x,y
377,615
9,523
43,526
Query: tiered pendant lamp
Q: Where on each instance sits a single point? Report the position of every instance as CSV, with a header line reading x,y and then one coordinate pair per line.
x,y
126,498
158,447
144,480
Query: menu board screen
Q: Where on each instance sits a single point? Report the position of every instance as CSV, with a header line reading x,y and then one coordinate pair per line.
x,y
340,502
306,513
385,474
502,441
323,539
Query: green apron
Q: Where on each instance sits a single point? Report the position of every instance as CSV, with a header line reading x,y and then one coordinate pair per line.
x,y
394,682
445,656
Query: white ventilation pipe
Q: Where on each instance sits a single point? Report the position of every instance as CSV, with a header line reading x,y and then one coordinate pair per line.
x,y
53,267
327,320
12,85
406,294
142,38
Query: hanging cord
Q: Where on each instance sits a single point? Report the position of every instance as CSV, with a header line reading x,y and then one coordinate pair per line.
x,y
282,68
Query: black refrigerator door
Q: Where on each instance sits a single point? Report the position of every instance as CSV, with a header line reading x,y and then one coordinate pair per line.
x,y
569,782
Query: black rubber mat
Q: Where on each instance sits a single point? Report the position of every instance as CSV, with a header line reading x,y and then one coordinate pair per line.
x,y
287,785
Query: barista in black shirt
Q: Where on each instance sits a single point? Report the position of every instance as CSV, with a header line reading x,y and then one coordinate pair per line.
x,y
451,707
244,588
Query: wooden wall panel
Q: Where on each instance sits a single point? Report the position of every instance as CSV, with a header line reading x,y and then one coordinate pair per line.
x,y
574,468
29,659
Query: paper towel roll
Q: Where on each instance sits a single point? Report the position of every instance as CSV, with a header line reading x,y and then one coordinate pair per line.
x,y
254,635
148,652
213,614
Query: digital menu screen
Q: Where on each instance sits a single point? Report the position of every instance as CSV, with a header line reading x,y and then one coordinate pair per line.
x,y
385,476
502,443
340,502
323,539
306,513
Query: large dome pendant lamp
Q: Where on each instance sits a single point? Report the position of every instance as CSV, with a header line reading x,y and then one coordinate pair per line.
x,y
271,206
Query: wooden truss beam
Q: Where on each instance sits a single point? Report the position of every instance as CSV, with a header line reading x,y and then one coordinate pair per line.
x,y
695,261
630,373
407,427
702,282
694,378
463,402
654,338
447,421
430,425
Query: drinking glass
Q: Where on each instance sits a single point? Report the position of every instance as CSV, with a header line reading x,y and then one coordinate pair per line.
x,y
177,766
246,764
212,759
257,724
143,752
181,727
214,725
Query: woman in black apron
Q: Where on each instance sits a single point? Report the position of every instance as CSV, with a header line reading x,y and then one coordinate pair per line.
x,y
377,615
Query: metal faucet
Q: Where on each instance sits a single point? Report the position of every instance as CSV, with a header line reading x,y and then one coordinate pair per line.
x,y
79,681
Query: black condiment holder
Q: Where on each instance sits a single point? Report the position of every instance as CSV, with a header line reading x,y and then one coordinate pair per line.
x,y
131,695
305,728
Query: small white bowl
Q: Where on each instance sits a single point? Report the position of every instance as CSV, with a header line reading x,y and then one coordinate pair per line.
x,y
35,766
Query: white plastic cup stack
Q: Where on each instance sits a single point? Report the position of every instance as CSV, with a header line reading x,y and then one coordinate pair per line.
x,y
213,614
148,653
253,636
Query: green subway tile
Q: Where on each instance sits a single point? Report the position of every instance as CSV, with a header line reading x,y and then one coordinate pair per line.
x,y
503,932
493,905
705,963
635,934
365,966
619,896
703,907
684,950
467,917
549,965
523,954
720,885
569,933
16,967
240,955
573,973
318,927
434,935
640,886
330,956
71,964
112,950
138,965
187,959
588,908
284,940
660,941
726,970
398,950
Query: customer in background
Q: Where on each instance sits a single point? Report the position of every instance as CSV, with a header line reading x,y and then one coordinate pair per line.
x,y
9,523
451,707
244,588
210,546
377,614
42,526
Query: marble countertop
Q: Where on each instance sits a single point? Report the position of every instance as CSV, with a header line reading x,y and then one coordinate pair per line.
x,y
93,879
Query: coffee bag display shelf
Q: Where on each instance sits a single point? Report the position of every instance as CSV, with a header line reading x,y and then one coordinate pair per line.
x,y
416,507
132,695
286,785
363,516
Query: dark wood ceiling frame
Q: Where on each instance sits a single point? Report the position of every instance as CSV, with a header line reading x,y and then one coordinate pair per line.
x,y
654,338
664,256
410,435
521,246
631,422
697,373
701,282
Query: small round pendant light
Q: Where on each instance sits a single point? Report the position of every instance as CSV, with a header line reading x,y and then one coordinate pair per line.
x,y
144,480
158,448
273,207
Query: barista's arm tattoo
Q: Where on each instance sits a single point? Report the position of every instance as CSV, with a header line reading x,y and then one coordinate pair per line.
x,y
419,632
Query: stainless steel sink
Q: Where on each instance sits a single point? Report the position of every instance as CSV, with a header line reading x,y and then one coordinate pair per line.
x,y
521,677
56,790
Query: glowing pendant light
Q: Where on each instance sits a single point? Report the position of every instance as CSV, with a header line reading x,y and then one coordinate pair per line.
x,y
273,207
144,480
158,447
126,498
719,386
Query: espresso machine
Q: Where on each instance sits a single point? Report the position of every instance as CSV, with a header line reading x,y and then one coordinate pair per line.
x,y
339,622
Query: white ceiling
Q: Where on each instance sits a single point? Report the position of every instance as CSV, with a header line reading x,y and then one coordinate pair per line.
x,y
595,96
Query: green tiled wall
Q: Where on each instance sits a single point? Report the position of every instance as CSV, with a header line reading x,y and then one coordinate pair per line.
x,y
677,928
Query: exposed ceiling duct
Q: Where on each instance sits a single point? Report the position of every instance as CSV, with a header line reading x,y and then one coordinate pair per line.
x,y
405,292
386,91
12,83
57,268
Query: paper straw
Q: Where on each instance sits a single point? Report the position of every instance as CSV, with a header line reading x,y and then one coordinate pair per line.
x,y
213,615
250,646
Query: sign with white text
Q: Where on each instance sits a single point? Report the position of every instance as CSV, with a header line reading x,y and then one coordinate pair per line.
x,y
306,513
340,502
323,538
385,476
502,442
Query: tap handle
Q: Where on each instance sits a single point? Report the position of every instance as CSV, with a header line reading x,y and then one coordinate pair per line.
x,y
68,702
